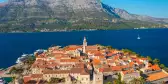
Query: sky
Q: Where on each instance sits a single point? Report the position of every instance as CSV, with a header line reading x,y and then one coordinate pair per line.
x,y
2,0
154,8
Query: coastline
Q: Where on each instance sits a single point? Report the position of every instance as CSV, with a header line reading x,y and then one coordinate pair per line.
x,y
125,53
81,30
133,36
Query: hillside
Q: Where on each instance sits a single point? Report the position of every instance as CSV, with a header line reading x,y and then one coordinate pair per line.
x,y
53,15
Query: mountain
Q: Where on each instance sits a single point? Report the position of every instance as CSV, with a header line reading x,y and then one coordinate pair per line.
x,y
63,9
127,16
52,15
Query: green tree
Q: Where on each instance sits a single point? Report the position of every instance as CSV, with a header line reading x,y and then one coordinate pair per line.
x,y
15,70
54,80
156,61
137,81
13,79
129,51
162,66
119,76
118,81
30,60
149,58
109,47
109,83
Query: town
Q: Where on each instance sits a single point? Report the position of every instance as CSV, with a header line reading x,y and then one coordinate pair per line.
x,y
92,64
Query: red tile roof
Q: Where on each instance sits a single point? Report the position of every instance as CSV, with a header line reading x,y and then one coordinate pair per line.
x,y
155,67
26,78
116,68
127,72
73,70
69,60
72,47
37,75
157,76
94,47
96,61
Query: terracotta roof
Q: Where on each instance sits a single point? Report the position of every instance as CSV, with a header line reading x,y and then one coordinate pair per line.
x,y
96,61
116,68
58,51
101,57
107,70
91,48
157,76
98,53
110,54
149,64
125,66
83,72
140,62
79,65
155,67
144,58
73,70
55,71
26,78
110,61
131,64
72,47
58,57
36,75
69,60
127,72
105,65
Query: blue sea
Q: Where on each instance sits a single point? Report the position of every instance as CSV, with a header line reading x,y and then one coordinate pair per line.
x,y
153,42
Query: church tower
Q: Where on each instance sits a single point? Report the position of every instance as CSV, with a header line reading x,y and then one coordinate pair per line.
x,y
84,45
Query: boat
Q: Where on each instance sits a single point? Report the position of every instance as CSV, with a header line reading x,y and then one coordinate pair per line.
x,y
138,37
136,28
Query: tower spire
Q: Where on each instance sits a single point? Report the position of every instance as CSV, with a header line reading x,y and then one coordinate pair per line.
x,y
84,45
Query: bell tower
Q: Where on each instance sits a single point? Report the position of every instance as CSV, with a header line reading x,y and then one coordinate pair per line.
x,y
84,45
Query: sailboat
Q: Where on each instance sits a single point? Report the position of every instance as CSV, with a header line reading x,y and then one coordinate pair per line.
x,y
138,37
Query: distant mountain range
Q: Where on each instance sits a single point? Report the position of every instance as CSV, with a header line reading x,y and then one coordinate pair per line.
x,y
127,16
53,15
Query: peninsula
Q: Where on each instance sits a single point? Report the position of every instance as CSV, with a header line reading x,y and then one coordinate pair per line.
x,y
66,15
87,64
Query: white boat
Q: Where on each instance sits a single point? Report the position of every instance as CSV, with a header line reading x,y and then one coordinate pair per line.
x,y
138,37
136,28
